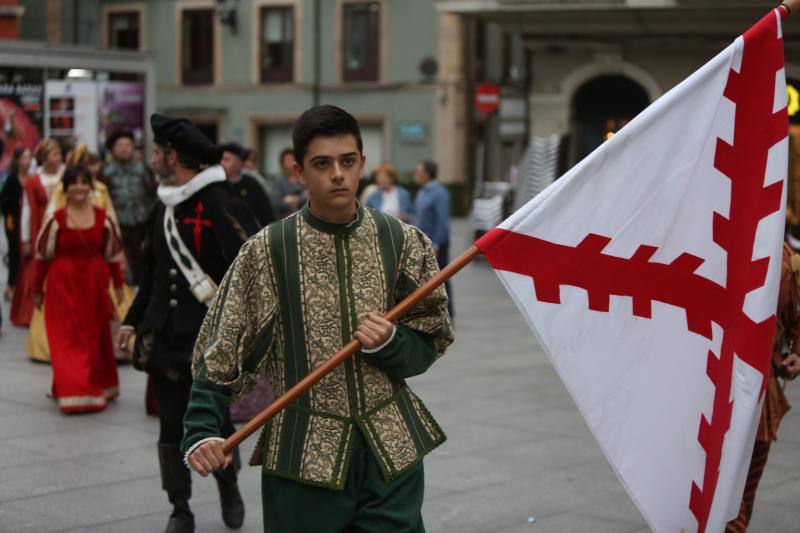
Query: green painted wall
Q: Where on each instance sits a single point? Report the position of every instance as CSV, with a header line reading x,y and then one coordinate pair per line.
x,y
411,36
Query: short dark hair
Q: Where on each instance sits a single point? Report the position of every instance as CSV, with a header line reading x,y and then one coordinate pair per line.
x,y
322,121
235,148
71,175
284,152
431,168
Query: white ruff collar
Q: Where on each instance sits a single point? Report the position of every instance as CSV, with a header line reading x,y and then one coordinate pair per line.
x,y
173,195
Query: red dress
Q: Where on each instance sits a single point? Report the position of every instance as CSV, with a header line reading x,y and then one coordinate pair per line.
x,y
22,304
78,265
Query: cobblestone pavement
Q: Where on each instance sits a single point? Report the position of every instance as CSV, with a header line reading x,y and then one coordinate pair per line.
x,y
519,457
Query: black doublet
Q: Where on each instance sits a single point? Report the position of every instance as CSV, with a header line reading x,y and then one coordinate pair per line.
x,y
165,312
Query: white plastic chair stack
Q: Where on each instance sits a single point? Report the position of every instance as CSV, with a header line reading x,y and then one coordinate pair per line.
x,y
539,168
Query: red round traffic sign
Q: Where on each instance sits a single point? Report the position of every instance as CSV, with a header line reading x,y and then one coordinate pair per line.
x,y
487,97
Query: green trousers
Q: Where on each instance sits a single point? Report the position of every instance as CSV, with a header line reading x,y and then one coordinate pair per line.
x,y
365,505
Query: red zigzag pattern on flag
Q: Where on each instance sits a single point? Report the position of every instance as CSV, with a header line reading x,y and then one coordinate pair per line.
x,y
552,265
757,128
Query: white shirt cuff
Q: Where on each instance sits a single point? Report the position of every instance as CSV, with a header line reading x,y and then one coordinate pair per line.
x,y
195,446
382,346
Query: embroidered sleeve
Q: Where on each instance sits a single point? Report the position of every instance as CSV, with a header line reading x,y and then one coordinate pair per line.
x,y
237,334
45,250
46,240
430,316
112,240
423,334
234,343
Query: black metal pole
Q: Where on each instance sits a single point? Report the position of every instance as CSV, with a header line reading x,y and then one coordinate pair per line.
x,y
317,53
75,23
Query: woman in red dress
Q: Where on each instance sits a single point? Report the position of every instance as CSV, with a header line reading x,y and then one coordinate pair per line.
x,y
78,251
35,196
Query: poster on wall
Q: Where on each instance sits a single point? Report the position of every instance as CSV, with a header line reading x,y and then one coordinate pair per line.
x,y
21,111
121,106
71,113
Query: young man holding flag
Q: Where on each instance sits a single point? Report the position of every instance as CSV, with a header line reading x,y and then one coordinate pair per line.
x,y
348,453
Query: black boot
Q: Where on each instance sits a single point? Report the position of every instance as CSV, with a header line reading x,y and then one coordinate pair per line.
x,y
229,498
176,480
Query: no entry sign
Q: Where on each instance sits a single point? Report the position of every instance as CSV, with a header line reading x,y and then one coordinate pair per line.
x,y
487,97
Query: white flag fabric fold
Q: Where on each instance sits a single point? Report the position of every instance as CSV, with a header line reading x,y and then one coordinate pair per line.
x,y
650,274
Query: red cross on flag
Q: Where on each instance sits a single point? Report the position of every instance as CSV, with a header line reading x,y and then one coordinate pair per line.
x,y
649,273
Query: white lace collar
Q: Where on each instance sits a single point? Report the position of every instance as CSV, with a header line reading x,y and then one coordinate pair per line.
x,y
173,195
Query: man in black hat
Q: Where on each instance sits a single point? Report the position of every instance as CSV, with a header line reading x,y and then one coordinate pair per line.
x,y
193,235
132,188
245,186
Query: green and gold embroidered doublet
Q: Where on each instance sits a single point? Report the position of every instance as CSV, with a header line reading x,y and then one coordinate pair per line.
x,y
294,296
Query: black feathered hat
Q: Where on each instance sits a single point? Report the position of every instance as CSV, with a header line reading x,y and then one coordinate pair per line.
x,y
184,136
117,135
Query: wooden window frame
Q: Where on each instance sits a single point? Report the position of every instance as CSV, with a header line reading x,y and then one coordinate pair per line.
x,y
127,7
192,5
285,76
255,43
383,39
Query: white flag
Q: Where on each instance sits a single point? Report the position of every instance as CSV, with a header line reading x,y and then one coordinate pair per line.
x,y
650,274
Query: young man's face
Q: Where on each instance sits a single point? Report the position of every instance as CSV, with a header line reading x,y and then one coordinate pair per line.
x,y
231,163
331,170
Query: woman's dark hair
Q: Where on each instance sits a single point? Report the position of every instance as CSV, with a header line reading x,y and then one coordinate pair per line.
x,y
13,168
71,175
322,121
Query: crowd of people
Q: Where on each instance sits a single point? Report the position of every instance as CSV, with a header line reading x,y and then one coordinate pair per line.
x,y
220,314
110,258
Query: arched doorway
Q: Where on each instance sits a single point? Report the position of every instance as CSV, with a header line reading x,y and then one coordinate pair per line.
x,y
600,108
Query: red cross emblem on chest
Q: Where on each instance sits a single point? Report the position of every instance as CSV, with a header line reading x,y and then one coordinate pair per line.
x,y
199,223
744,163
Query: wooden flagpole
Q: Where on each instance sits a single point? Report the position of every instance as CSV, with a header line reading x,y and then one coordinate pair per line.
x,y
348,350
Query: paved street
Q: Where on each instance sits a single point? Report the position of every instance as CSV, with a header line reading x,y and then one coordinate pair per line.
x,y
519,457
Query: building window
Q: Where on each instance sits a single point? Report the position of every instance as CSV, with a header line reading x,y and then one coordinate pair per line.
x,y
123,30
361,31
277,44
197,46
